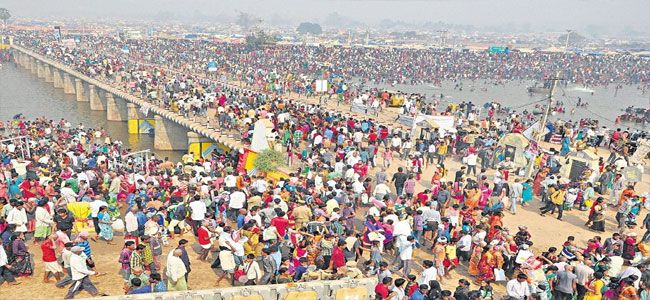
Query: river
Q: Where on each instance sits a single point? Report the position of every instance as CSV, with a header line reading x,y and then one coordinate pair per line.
x,y
605,103
22,92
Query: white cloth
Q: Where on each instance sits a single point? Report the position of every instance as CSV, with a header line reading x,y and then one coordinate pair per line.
x,y
78,267
19,218
175,267
95,205
3,257
428,274
517,289
131,222
237,200
43,217
198,210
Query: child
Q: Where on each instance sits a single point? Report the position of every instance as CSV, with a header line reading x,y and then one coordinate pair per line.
x,y
375,257
411,285
451,262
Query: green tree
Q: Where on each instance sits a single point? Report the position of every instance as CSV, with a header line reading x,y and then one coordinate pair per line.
x,y
4,16
268,160
309,28
259,39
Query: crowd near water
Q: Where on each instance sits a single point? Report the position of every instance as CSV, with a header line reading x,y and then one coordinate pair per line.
x,y
360,199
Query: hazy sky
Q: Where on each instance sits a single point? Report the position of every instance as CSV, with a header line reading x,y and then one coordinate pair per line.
x,y
607,15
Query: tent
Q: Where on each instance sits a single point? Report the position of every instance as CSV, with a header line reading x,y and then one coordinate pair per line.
x,y
577,162
514,146
425,126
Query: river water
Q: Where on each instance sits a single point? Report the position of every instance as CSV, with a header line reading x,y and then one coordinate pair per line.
x,y
605,104
22,92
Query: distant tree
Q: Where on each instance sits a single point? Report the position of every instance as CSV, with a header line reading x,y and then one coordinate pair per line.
x,y
309,28
574,38
259,39
4,16
246,21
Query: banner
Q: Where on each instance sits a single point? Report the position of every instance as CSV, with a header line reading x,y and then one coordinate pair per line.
x,y
142,126
321,85
529,133
212,66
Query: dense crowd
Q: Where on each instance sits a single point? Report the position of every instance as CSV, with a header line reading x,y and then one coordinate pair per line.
x,y
340,213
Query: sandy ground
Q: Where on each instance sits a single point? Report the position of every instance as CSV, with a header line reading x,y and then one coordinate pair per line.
x,y
546,232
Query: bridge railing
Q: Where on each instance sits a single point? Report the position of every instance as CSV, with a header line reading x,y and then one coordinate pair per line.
x,y
353,289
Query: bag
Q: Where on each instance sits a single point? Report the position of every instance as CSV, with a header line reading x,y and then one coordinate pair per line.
x,y
499,275
269,234
533,263
240,275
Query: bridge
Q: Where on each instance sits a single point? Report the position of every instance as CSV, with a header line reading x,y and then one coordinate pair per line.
x,y
172,131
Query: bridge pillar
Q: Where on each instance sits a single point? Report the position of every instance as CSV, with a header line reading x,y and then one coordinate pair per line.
x,y
168,135
68,87
40,70
33,66
26,62
58,80
96,102
48,73
133,112
81,91
116,108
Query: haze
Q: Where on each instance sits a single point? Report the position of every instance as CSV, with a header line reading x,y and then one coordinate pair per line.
x,y
594,17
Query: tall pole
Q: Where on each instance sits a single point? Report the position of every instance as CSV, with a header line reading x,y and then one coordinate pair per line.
x,y
566,44
542,124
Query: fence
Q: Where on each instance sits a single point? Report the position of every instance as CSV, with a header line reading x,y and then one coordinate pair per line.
x,y
354,289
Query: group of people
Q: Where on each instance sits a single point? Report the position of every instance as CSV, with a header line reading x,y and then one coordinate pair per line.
x,y
356,186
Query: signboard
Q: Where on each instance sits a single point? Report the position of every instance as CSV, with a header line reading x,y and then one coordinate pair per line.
x,y
142,126
494,49
212,66
321,85
445,123
360,108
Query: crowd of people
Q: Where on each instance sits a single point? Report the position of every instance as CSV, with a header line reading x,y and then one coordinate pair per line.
x,y
355,203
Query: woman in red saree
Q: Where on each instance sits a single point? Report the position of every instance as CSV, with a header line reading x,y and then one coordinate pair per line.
x,y
537,187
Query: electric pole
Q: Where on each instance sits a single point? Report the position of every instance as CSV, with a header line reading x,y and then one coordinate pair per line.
x,y
542,124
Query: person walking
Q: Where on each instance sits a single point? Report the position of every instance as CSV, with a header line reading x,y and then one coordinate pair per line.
x,y
516,191
557,201
176,271
80,274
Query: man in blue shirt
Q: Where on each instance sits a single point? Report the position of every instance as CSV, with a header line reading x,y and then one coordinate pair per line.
x,y
241,218
420,292
138,288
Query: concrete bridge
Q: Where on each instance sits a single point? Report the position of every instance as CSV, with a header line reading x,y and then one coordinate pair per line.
x,y
172,130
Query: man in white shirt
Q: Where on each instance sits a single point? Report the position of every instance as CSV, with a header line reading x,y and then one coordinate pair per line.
x,y
237,201
80,274
94,209
471,163
198,212
430,273
518,288
230,181
131,222
464,246
68,194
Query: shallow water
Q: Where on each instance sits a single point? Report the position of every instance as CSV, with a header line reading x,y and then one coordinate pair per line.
x,y
605,104
23,92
